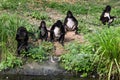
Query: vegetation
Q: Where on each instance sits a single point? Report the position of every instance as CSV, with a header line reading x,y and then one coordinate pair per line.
x,y
107,44
9,25
39,15
79,58
99,53
10,62
41,52
13,4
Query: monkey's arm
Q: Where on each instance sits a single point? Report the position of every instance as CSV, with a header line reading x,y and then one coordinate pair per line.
x,y
65,21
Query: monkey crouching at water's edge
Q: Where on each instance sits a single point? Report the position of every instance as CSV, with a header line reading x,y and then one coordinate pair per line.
x,y
22,40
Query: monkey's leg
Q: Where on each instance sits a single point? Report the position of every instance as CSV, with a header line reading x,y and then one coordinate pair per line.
x,y
26,49
19,46
46,36
61,39
51,36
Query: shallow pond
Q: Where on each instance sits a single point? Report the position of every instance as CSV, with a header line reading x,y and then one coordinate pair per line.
x,y
23,77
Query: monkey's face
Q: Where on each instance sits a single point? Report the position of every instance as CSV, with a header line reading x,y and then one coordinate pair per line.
x,y
108,8
43,24
69,14
59,23
22,35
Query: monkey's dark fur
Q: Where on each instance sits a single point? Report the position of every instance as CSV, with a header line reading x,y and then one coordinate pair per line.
x,y
43,31
22,39
106,17
71,23
57,31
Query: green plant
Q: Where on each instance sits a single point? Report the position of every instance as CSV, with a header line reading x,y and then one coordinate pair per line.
x,y
39,15
47,46
9,25
10,62
38,54
13,4
76,8
41,52
107,43
78,58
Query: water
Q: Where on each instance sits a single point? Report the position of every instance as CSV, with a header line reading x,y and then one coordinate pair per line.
x,y
27,77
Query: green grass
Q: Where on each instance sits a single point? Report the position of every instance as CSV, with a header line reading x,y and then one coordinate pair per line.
x,y
39,15
77,8
41,52
103,44
9,24
13,4
79,58
107,43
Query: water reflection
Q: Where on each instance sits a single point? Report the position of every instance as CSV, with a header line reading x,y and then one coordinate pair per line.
x,y
22,77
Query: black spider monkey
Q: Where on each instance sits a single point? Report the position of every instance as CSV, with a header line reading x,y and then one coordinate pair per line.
x,y
43,31
71,23
106,17
22,39
57,31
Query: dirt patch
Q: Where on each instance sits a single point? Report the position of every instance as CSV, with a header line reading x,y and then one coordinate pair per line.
x,y
54,14
63,1
59,49
69,37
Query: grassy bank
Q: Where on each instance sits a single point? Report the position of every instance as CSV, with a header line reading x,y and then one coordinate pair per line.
x,y
98,54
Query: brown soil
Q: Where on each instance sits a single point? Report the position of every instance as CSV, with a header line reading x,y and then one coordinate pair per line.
x,y
69,37
54,15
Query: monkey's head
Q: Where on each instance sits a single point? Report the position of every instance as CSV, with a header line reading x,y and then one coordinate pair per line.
x,y
69,14
108,8
59,23
43,24
22,32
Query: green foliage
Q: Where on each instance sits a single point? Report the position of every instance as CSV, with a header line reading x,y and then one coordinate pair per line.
x,y
13,4
47,47
41,52
107,43
79,58
9,25
10,62
102,52
77,8
39,15
38,54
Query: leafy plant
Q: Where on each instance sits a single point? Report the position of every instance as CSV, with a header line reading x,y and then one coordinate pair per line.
x,y
38,54
9,25
107,43
12,4
39,15
10,62
41,52
79,58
